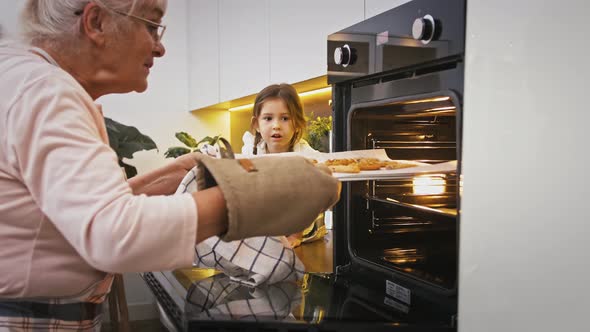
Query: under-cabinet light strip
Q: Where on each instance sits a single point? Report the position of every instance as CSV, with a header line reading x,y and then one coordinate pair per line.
x,y
302,94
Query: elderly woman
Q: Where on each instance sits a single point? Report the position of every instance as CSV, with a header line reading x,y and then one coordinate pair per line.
x,y
68,217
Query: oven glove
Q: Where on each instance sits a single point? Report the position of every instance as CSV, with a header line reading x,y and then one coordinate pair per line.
x,y
268,195
252,261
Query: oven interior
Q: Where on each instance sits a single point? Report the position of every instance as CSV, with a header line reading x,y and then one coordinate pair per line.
x,y
408,225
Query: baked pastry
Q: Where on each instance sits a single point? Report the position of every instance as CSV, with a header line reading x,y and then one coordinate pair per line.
x,y
350,168
370,164
335,162
392,164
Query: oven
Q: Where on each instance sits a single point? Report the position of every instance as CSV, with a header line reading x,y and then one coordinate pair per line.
x,y
397,85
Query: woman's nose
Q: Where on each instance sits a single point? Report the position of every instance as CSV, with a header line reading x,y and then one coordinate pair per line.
x,y
159,50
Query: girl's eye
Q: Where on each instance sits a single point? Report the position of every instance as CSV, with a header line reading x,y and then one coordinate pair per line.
x,y
266,118
285,118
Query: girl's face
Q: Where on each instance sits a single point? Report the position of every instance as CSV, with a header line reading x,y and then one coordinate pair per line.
x,y
275,125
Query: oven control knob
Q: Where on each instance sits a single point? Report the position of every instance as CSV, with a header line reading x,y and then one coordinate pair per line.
x,y
344,55
424,29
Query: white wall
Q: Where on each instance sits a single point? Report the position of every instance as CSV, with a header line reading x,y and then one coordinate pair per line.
x,y
524,232
9,11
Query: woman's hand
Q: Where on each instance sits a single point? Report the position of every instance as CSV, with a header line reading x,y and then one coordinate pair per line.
x,y
164,180
184,163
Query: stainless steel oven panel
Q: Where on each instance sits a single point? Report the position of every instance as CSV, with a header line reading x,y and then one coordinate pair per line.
x,y
413,81
364,49
395,41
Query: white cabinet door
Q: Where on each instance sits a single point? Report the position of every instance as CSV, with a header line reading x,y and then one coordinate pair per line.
x,y
203,53
375,7
9,14
298,35
244,47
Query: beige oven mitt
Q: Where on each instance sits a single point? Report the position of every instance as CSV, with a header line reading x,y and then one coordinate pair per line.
x,y
268,195
252,261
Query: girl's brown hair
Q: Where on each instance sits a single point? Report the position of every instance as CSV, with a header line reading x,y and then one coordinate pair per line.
x,y
289,95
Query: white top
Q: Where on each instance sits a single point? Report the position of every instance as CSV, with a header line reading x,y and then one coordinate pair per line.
x,y
66,211
248,148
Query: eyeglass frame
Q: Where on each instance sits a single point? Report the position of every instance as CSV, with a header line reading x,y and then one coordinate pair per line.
x,y
157,38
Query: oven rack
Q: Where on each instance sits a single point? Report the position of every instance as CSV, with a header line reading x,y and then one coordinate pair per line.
x,y
436,214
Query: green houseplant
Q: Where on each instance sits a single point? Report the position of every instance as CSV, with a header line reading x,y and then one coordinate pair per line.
x,y
191,144
126,140
318,129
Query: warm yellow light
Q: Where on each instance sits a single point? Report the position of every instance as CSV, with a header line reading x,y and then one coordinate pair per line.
x,y
427,100
239,108
315,92
447,108
302,94
429,184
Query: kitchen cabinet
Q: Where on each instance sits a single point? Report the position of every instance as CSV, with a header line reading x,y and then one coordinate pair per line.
x,y
237,47
243,47
203,54
376,7
298,34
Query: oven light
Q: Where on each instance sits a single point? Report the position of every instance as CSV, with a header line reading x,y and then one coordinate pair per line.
x,y
429,184
428,100
436,109
402,260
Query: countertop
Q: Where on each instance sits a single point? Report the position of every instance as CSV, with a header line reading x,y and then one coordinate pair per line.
x,y
316,256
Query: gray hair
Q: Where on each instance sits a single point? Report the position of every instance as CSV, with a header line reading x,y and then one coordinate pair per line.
x,y
56,21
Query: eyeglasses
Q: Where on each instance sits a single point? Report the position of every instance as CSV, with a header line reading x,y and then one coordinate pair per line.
x,y
155,30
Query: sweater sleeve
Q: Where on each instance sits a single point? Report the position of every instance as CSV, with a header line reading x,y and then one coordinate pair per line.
x,y
248,147
74,177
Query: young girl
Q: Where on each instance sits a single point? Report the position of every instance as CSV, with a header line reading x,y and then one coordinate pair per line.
x,y
277,123
277,126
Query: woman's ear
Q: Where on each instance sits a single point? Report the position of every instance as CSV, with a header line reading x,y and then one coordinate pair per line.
x,y
92,23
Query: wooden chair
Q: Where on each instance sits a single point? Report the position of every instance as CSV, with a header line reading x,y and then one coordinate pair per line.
x,y
118,306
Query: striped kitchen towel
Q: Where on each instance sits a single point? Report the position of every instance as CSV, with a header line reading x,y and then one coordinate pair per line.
x,y
218,297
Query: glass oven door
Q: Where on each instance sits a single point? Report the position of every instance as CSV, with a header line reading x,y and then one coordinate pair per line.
x,y
407,227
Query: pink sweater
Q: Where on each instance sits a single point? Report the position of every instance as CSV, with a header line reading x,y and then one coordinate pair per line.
x,y
67,215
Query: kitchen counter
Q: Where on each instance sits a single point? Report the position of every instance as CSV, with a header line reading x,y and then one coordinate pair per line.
x,y
316,256
205,299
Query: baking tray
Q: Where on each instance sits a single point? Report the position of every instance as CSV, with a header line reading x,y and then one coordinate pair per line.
x,y
417,168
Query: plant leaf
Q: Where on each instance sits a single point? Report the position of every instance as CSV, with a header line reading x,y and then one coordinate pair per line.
x,y
176,151
187,139
130,171
210,140
126,140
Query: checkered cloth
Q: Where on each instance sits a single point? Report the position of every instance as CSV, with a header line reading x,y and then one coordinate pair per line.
x,y
219,297
252,261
